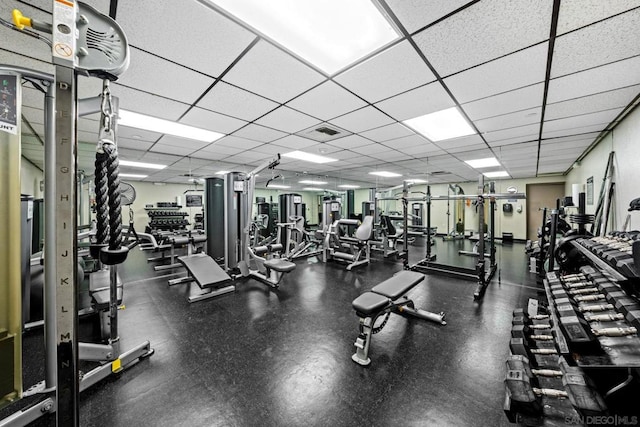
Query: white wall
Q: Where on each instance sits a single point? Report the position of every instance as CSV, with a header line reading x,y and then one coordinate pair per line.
x,y
30,179
624,141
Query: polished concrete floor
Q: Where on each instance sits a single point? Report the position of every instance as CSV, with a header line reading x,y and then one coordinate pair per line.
x,y
262,358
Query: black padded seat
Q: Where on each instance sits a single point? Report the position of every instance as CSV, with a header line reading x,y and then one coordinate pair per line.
x,y
204,270
180,240
399,284
99,284
199,238
369,303
280,265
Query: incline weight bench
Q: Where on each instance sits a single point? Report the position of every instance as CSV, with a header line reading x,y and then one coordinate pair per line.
x,y
386,298
207,274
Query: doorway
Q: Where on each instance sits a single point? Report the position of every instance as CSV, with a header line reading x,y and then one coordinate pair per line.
x,y
541,196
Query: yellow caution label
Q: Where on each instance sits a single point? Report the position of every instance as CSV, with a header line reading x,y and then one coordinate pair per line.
x,y
116,365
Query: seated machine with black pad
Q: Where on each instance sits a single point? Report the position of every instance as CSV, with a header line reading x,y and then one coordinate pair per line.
x,y
386,298
207,274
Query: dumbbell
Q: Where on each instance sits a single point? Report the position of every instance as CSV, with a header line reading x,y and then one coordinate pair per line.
x,y
524,394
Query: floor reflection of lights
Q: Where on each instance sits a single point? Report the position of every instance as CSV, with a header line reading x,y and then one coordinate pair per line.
x,y
307,382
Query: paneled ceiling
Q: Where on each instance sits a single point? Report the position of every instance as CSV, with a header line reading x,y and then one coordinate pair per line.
x,y
540,81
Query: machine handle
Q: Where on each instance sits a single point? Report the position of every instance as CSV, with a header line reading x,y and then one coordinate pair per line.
x,y
21,21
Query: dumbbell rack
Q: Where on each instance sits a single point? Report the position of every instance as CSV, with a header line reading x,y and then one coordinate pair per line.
x,y
167,218
593,319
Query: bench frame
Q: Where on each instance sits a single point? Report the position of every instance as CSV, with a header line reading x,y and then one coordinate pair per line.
x,y
402,306
208,292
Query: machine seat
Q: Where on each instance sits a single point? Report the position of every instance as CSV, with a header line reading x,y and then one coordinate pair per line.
x,y
280,265
204,270
398,285
369,303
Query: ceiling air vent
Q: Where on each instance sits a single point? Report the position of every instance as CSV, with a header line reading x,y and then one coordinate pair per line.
x,y
436,173
323,132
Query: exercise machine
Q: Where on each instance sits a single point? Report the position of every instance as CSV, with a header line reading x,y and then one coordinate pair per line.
x,y
261,263
72,22
485,267
340,246
383,299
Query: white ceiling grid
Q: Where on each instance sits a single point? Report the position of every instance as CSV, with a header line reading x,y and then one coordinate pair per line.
x,y
488,58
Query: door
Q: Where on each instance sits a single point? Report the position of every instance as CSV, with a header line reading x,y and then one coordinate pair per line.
x,y
540,196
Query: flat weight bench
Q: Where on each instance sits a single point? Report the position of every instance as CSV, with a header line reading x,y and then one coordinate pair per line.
x,y
207,274
386,298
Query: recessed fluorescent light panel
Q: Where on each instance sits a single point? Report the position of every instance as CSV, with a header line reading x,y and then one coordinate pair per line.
x,y
483,163
416,180
498,174
154,124
307,157
141,165
348,186
385,174
222,172
131,175
329,34
313,189
312,182
278,186
441,125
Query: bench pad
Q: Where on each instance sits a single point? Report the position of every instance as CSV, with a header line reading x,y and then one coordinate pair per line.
x,y
369,303
399,284
279,265
205,271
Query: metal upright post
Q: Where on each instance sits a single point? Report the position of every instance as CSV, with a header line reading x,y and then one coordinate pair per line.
x,y
50,173
405,220
66,254
492,231
480,267
552,238
428,223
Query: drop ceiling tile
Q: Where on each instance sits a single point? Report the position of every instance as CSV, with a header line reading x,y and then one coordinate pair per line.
x,y
218,147
153,105
269,149
395,70
575,131
390,156
181,142
571,138
362,120
475,154
531,130
417,102
323,149
408,141
171,149
287,120
463,148
35,51
517,70
33,98
483,32
237,143
247,157
370,149
349,142
578,13
259,133
601,117
133,154
232,101
590,104
327,101
149,73
460,142
385,133
138,134
196,22
416,14
423,150
134,143
513,140
598,44
210,155
601,79
294,142
507,102
272,73
506,121
209,120
165,159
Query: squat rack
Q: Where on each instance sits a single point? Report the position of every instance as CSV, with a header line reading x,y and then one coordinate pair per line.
x,y
482,273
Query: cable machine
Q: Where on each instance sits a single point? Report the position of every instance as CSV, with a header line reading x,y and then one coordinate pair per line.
x,y
483,272
83,42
